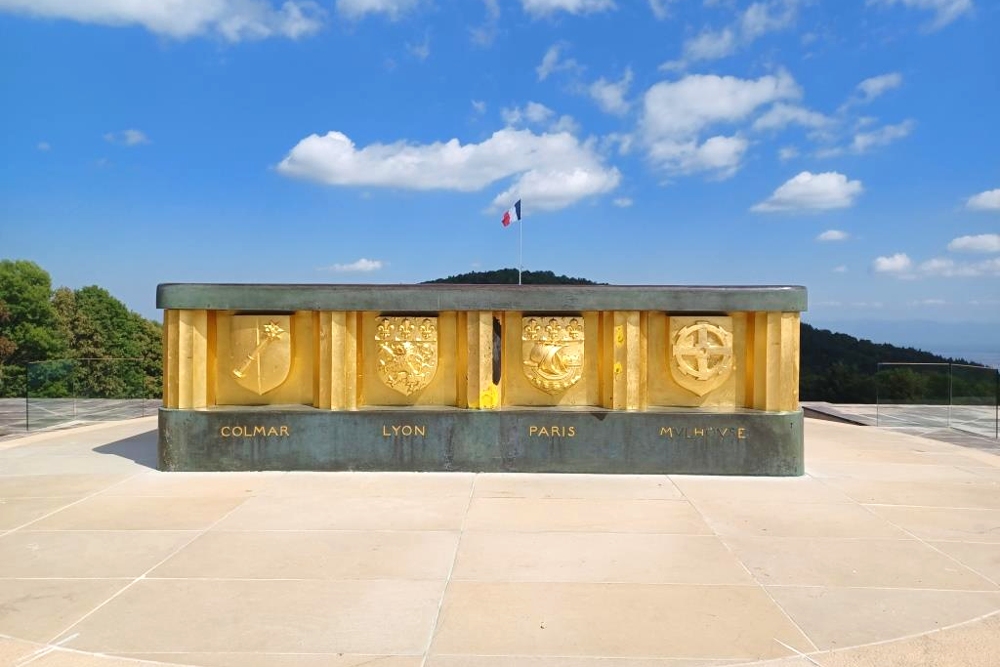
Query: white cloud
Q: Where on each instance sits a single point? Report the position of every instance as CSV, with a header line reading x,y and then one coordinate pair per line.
x,y
710,45
623,202
948,268
761,18
479,106
781,115
977,243
44,146
533,112
945,11
873,87
610,95
127,138
233,20
883,136
361,266
485,34
756,21
687,106
786,153
565,123
833,235
553,189
538,8
659,8
719,154
985,201
356,9
676,112
840,269
902,266
816,192
553,62
421,50
553,169
895,264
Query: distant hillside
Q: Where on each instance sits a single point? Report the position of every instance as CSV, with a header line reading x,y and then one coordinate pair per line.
x,y
509,277
834,367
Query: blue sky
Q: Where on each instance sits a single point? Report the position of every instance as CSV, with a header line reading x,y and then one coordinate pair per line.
x,y
847,146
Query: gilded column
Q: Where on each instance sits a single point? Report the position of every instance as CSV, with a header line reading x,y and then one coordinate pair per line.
x,y
624,360
337,361
479,392
775,369
186,372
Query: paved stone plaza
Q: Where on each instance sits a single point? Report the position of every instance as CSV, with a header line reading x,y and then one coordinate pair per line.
x,y
887,553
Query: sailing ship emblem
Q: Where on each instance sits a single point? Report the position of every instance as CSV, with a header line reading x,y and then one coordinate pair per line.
x,y
552,352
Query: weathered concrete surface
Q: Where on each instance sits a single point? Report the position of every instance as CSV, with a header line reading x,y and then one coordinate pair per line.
x,y
513,440
885,553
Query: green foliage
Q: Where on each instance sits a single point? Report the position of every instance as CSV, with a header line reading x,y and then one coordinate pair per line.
x,y
26,290
834,367
509,277
82,343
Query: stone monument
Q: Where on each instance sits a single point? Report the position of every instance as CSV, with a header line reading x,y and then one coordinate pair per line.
x,y
533,378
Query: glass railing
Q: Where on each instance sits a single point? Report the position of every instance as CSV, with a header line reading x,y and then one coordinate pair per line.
x,y
67,392
938,395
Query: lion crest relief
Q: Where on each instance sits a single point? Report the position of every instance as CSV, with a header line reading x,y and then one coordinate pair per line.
x,y
407,352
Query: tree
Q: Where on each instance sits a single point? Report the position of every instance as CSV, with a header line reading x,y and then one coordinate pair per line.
x,y
26,289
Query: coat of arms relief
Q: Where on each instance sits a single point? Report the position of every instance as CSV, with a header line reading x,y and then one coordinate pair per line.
x,y
407,352
701,354
552,352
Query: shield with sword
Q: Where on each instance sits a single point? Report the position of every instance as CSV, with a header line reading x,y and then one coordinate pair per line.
x,y
260,351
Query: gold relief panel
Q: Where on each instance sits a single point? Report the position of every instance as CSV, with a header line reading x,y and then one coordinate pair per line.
x,y
701,355
552,352
407,352
260,351
262,358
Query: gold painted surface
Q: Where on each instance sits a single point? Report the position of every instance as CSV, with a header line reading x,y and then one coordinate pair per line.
x,y
170,359
441,386
701,352
775,361
239,349
407,352
475,349
337,360
622,343
679,336
552,352
260,351
190,359
517,389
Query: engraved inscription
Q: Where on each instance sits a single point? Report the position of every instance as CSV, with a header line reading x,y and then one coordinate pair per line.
x,y
713,432
554,431
254,431
395,430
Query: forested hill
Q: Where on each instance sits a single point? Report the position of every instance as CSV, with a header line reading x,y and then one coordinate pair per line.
x,y
509,277
835,367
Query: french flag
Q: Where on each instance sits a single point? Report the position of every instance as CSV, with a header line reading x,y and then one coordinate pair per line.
x,y
512,214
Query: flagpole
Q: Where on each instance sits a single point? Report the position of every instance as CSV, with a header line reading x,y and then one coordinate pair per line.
x,y
520,248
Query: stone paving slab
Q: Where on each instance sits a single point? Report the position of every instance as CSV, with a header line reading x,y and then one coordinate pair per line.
x,y
886,553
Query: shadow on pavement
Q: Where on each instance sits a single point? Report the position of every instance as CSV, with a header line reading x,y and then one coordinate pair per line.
x,y
139,448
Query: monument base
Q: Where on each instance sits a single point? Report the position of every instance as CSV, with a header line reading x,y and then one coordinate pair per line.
x,y
564,440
